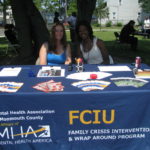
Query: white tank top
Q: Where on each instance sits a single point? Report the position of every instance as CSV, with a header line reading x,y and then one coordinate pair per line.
x,y
94,56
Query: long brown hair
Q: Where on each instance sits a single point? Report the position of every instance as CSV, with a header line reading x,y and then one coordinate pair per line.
x,y
53,40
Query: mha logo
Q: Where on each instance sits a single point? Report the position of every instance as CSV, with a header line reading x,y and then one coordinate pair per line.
x,y
23,132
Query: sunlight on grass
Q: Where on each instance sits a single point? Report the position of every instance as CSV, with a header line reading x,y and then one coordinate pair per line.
x,y
120,53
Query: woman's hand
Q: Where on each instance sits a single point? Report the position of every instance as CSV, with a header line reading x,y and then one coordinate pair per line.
x,y
68,55
68,61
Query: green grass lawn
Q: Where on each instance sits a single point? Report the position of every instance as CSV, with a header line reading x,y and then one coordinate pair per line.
x,y
120,53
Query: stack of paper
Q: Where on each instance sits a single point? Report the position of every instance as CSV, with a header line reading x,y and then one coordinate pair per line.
x,y
10,72
114,68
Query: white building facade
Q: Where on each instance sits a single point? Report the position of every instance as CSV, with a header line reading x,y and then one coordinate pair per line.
x,y
122,11
9,17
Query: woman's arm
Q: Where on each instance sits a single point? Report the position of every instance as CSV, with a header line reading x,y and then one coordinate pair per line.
x,y
68,55
104,51
43,54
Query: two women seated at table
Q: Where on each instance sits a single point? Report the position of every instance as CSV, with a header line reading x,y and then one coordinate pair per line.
x,y
90,48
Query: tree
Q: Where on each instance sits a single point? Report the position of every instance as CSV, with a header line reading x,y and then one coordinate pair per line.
x,y
101,10
32,31
145,4
85,9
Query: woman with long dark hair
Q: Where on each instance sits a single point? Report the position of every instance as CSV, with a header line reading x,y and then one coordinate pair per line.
x,y
58,51
90,48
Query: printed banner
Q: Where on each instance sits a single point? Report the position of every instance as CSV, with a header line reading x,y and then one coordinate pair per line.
x,y
91,121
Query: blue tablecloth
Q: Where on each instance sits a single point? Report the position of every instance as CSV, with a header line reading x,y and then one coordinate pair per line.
x,y
116,118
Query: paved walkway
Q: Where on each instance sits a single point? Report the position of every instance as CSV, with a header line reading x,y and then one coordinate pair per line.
x,y
2,32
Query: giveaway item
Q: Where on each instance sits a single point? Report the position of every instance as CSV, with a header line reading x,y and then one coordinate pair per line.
x,y
93,76
79,66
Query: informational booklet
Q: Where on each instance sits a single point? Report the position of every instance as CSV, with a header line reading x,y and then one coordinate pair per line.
x,y
49,86
125,81
91,85
10,72
10,86
114,68
51,72
143,74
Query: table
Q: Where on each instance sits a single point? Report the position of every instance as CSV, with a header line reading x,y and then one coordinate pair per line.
x,y
116,118
143,34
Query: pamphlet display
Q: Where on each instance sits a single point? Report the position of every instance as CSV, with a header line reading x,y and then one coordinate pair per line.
x,y
49,86
51,72
91,85
123,81
10,86
143,74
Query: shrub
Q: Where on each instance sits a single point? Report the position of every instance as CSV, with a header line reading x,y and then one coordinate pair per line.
x,y
108,23
96,24
119,24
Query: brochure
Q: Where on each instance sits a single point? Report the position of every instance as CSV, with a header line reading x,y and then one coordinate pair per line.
x,y
90,85
10,86
49,86
143,74
51,72
125,81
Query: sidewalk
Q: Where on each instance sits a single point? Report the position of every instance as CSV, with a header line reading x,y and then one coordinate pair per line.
x,y
2,32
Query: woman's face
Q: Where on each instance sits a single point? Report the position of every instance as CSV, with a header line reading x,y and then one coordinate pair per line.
x,y
83,32
59,33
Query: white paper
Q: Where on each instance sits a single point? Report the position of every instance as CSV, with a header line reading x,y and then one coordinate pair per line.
x,y
114,68
10,72
86,75
50,67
